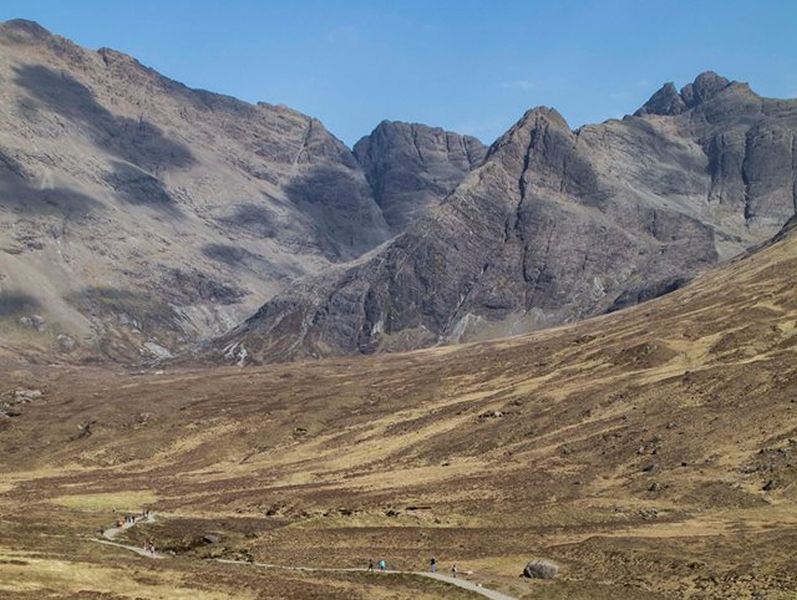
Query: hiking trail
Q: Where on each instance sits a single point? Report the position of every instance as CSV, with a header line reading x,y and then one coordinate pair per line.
x,y
112,532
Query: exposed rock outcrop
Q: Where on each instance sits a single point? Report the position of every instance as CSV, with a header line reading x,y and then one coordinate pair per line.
x,y
557,225
412,167
137,213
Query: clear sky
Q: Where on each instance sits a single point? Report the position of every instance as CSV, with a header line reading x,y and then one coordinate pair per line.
x,y
470,66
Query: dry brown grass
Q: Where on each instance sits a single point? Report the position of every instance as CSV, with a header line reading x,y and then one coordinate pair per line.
x,y
632,450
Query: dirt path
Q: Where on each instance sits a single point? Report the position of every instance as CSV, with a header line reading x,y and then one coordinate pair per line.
x,y
112,532
456,581
136,549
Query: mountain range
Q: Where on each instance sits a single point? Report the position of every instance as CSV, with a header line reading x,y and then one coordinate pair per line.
x,y
139,216
142,219
557,225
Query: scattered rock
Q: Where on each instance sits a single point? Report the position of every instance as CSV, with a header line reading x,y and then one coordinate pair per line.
x,y
26,395
157,350
66,343
540,568
491,414
84,431
769,485
36,322
211,538
648,514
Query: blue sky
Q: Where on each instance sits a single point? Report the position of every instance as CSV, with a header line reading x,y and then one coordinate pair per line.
x,y
470,66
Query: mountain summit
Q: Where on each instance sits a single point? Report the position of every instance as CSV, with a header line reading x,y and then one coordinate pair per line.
x,y
668,101
557,225
139,215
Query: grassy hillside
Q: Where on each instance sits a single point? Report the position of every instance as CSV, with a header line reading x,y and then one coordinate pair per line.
x,y
651,453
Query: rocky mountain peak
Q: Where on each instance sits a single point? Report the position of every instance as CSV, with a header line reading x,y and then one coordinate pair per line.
x,y
668,101
535,119
25,27
411,167
665,101
535,128
555,226
705,86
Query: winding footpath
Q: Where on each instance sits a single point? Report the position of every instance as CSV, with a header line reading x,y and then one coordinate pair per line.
x,y
461,583
112,532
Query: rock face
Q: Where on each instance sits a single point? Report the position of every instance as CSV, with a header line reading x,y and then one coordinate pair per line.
x,y
558,225
411,167
138,215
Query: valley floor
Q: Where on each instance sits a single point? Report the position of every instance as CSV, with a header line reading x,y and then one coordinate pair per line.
x,y
651,454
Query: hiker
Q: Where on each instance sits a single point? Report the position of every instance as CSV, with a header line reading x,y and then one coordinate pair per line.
x,y
370,565
382,565
454,571
433,562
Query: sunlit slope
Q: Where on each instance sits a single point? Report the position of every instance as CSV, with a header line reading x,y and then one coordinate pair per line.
x,y
627,447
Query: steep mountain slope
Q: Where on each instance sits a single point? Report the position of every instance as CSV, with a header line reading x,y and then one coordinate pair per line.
x,y
557,225
138,215
651,453
411,167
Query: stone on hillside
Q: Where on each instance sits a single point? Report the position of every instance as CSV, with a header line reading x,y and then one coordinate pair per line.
x,y
36,322
539,568
26,395
66,343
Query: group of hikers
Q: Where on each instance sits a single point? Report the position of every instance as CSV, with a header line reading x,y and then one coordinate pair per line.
x,y
382,566
128,520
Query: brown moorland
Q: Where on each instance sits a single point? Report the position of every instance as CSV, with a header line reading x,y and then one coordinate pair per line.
x,y
649,453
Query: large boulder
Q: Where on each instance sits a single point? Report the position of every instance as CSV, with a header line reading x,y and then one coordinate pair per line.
x,y
539,568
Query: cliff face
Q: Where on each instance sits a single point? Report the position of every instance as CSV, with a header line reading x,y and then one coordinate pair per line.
x,y
138,215
557,225
411,167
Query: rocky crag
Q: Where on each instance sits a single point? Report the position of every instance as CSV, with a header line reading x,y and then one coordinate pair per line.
x,y
138,216
556,225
